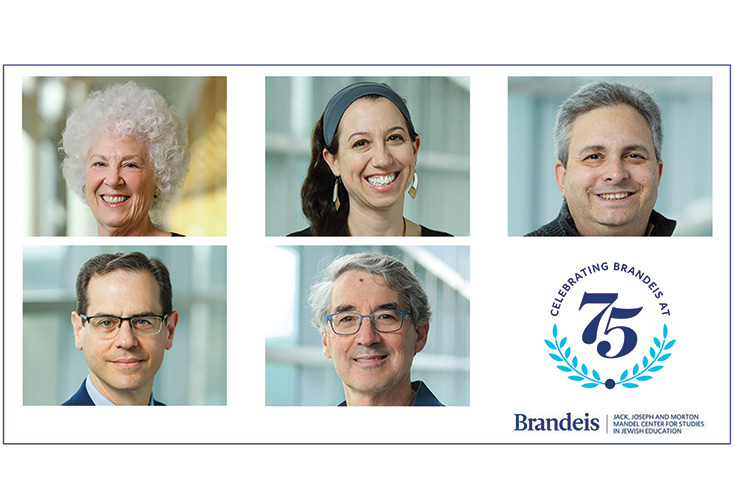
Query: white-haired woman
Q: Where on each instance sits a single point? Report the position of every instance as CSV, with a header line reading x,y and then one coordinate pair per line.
x,y
125,153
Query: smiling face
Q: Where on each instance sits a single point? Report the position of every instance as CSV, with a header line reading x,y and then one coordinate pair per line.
x,y
612,175
123,368
376,158
120,184
375,367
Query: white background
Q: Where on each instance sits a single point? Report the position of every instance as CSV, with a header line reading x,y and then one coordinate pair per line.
x,y
377,32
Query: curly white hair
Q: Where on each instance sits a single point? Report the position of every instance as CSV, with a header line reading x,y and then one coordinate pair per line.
x,y
129,109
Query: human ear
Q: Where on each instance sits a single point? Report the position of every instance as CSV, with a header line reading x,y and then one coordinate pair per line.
x,y
561,174
416,145
331,161
171,321
325,346
77,323
422,336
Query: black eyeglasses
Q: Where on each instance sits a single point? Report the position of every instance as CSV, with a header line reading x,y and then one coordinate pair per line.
x,y
107,326
349,322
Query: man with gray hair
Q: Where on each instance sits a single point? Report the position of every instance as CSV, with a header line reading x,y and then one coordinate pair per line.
x,y
373,315
608,140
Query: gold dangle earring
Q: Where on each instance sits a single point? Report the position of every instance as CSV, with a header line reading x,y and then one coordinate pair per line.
x,y
335,194
414,186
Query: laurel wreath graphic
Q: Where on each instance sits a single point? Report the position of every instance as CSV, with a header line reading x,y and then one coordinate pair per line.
x,y
583,373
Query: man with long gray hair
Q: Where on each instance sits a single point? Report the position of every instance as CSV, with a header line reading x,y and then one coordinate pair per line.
x,y
373,315
608,141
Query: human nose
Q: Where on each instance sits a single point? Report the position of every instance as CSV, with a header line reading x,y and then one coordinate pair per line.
x,y
614,171
126,338
366,334
382,156
113,177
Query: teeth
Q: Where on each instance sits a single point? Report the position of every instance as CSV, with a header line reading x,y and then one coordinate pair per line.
x,y
619,195
376,358
381,180
114,200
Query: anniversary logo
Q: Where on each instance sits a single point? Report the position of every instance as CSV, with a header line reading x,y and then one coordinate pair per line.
x,y
611,326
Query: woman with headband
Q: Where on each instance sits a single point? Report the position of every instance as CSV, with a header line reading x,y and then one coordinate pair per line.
x,y
363,160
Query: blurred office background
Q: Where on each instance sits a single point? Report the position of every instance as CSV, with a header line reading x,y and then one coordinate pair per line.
x,y
193,370
298,373
440,110
685,191
200,208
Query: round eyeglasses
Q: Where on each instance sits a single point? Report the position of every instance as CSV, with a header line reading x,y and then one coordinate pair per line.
x,y
349,322
107,326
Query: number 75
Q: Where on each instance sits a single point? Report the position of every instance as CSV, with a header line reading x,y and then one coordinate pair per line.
x,y
589,336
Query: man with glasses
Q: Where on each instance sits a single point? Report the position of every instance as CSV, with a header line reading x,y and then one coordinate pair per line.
x,y
124,322
373,315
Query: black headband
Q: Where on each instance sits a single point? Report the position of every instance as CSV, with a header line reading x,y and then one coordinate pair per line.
x,y
344,98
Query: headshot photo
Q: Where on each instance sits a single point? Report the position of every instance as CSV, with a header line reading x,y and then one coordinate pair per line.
x,y
370,326
610,157
124,326
356,156
112,156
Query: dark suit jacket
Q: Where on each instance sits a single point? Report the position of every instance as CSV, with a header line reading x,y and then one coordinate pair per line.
x,y
81,397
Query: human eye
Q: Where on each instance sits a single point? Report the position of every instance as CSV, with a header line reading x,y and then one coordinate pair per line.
x,y
387,320
346,318
385,315
361,143
97,163
635,156
105,323
388,315
593,159
396,137
142,321
133,165
145,324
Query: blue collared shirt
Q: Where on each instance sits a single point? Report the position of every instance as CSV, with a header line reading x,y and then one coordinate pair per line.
x,y
98,398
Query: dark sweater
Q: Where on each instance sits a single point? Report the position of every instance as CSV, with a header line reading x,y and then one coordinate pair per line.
x,y
563,225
